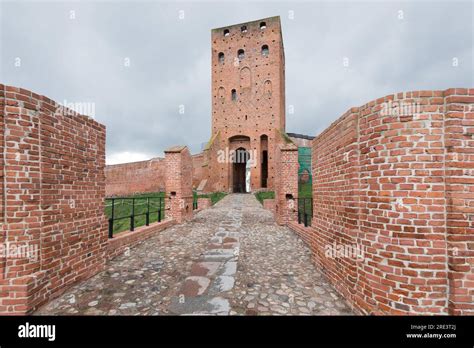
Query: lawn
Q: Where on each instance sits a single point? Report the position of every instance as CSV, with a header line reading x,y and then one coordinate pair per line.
x,y
123,208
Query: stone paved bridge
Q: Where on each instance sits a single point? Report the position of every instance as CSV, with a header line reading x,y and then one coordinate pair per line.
x,y
230,259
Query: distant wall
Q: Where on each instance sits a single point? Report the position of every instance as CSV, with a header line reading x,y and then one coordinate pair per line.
x,y
198,170
137,177
300,142
146,176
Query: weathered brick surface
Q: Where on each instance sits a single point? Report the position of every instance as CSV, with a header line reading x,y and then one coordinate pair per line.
x,y
259,105
198,171
210,155
179,193
53,200
335,180
459,171
138,177
401,187
145,176
204,203
2,171
269,204
286,183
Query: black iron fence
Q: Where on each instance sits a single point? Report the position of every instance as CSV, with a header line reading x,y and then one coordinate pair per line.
x,y
305,211
138,211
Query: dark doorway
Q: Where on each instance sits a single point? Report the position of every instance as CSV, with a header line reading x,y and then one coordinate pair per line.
x,y
239,168
264,168
264,161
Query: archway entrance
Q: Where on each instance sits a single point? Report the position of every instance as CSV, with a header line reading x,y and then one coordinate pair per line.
x,y
239,170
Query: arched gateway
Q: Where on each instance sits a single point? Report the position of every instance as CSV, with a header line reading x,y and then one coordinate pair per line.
x,y
240,171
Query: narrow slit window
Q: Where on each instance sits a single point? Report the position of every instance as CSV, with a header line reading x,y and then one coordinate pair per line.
x,y
265,50
221,57
234,95
241,54
263,25
226,32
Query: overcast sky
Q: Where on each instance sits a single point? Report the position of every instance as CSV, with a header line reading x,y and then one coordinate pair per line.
x,y
137,62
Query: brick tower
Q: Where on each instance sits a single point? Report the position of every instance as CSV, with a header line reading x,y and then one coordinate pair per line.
x,y
248,104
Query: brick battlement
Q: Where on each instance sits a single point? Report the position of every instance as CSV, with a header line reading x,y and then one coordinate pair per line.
x,y
144,176
51,198
399,186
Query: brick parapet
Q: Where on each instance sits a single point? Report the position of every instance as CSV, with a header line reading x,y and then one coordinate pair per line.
x,y
52,199
399,187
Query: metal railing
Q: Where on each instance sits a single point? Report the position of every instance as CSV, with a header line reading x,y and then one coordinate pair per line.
x,y
305,211
195,203
121,208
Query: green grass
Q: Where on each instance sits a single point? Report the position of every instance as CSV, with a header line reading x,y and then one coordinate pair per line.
x,y
264,195
123,208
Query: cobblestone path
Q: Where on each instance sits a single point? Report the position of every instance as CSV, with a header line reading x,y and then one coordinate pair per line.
x,y
230,259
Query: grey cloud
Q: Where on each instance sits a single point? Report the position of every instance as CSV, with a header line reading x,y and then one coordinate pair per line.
x,y
82,59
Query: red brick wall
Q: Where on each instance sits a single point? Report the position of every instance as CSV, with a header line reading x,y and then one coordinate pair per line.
x,y
401,188
179,193
335,167
138,177
211,172
54,199
286,182
459,161
2,173
204,203
198,172
145,176
269,204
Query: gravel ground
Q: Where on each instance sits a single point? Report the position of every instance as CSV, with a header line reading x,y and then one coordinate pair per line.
x,y
231,259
